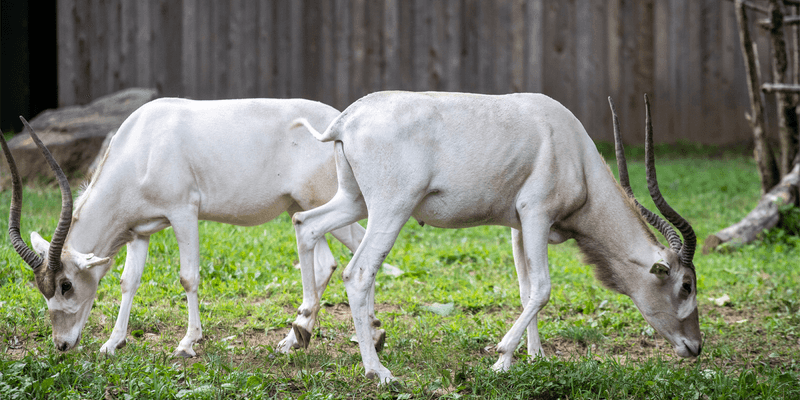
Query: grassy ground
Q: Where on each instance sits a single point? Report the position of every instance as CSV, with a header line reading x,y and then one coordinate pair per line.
x,y
597,343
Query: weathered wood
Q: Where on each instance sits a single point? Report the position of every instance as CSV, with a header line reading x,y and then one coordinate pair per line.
x,y
391,43
534,70
578,52
765,216
266,49
787,117
765,161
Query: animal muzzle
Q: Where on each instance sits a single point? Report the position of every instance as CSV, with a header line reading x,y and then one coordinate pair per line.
x,y
688,349
63,344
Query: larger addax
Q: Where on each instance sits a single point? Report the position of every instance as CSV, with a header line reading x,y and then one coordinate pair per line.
x,y
521,160
174,162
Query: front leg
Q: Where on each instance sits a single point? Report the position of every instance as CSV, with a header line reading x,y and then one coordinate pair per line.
x,y
534,278
186,231
129,282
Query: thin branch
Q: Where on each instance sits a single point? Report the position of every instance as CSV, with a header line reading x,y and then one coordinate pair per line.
x,y
754,6
780,87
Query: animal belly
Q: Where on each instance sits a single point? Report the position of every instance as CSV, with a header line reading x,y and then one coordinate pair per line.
x,y
444,211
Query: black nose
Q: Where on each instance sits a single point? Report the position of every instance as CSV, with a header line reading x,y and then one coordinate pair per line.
x,y
62,346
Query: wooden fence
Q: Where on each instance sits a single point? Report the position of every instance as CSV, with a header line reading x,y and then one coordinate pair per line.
x,y
684,53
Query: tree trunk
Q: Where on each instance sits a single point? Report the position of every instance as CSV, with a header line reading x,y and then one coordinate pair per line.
x,y
787,117
765,160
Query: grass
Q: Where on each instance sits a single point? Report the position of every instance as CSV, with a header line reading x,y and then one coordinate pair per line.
x,y
597,343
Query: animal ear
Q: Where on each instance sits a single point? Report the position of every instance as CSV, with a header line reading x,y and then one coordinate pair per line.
x,y
40,246
660,269
86,261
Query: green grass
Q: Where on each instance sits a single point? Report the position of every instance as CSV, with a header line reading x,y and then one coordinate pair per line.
x,y
597,343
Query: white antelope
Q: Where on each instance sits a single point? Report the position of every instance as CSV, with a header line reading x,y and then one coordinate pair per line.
x,y
524,161
174,162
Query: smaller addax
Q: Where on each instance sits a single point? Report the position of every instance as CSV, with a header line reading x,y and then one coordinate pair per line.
x,y
171,163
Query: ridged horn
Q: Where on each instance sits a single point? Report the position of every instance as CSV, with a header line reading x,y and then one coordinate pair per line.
x,y
622,165
686,253
62,229
29,256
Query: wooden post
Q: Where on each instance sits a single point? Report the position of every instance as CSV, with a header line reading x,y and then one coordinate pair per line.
x,y
787,117
765,160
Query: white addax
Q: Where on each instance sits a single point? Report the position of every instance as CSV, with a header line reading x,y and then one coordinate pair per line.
x,y
524,161
171,163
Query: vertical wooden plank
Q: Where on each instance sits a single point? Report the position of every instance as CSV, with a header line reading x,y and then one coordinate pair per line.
x,y
283,57
266,49
662,91
204,45
312,22
294,74
677,62
250,49
695,76
585,71
359,46
534,17
391,42
452,56
167,46
143,45
189,50
343,33
405,51
67,53
421,57
436,45
598,122
559,71
374,13
711,46
486,54
470,37
327,53
643,68
501,41
113,10
614,40
517,70
127,49
734,97
236,51
98,48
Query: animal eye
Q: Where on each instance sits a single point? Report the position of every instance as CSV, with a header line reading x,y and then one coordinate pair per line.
x,y
687,287
65,287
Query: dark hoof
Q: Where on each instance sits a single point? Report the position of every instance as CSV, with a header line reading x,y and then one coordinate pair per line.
x,y
302,335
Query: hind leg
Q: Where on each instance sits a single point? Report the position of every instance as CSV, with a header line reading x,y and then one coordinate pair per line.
x,y
186,231
310,227
359,280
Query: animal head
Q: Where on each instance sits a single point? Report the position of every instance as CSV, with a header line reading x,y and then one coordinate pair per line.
x,y
66,278
666,294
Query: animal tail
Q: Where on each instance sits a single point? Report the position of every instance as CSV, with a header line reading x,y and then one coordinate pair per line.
x,y
326,136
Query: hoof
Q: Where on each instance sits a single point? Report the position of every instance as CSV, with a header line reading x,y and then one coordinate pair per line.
x,y
302,335
183,353
384,376
381,340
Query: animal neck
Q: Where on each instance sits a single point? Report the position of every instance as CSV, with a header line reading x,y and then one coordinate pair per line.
x,y
614,238
98,227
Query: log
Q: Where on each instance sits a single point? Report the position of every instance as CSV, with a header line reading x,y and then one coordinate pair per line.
x,y
765,216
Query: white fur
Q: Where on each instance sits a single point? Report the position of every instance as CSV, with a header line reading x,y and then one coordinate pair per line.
x,y
174,162
456,160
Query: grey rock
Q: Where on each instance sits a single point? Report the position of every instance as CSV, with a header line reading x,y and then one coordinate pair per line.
x,y
74,134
